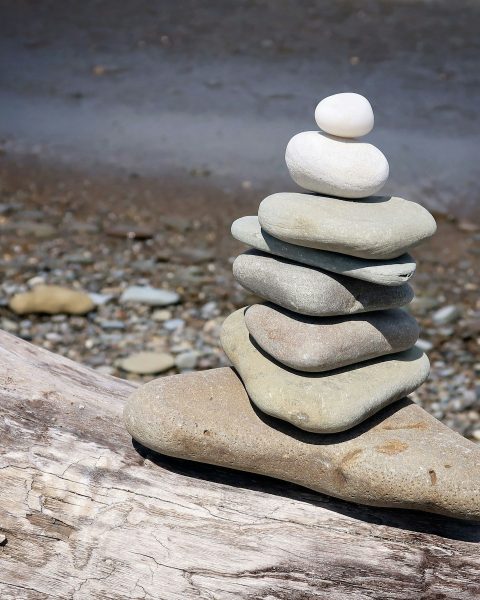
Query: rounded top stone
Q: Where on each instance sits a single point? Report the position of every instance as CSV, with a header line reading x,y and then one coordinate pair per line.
x,y
347,115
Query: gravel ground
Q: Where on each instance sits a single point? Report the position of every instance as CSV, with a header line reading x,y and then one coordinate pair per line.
x,y
105,236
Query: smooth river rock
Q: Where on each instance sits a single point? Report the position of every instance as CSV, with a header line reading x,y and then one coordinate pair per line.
x,y
384,272
320,402
345,115
335,166
147,363
144,294
323,343
380,228
402,457
52,300
310,291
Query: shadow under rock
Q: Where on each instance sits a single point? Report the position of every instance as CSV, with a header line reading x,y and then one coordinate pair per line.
x,y
409,520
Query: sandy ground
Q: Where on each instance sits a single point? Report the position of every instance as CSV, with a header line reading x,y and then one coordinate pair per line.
x,y
217,88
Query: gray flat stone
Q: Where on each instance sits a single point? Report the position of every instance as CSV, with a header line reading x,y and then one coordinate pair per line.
x,y
322,403
149,295
384,272
402,457
323,343
310,291
378,227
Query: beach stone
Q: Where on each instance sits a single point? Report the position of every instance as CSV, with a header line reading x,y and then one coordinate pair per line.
x,y
424,345
402,457
161,314
310,291
335,166
384,272
149,295
345,115
52,300
377,228
446,315
320,402
324,343
147,363
186,360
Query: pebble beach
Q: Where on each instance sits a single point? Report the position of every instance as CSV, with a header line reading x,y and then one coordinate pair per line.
x,y
160,281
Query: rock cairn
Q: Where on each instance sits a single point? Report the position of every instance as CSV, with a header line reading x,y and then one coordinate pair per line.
x,y
332,345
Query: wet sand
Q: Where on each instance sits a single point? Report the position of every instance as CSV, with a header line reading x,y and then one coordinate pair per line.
x,y
216,89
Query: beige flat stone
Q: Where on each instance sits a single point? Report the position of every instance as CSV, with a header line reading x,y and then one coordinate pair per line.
x,y
402,457
320,402
379,227
52,300
324,343
311,291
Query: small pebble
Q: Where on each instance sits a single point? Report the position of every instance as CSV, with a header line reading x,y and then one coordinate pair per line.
x,y
345,115
186,360
149,296
173,324
161,315
446,315
424,345
147,363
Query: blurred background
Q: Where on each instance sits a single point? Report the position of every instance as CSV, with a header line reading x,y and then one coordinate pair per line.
x,y
132,133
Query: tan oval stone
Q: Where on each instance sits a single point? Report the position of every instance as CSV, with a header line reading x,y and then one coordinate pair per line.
x,y
402,457
378,227
325,343
311,291
147,363
52,300
320,402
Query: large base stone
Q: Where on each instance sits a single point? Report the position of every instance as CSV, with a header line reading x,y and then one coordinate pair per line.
x,y
402,457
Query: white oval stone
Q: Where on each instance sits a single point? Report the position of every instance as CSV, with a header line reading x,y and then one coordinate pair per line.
x,y
335,166
346,115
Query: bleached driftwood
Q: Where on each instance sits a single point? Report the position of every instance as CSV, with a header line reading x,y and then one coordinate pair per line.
x,y
86,514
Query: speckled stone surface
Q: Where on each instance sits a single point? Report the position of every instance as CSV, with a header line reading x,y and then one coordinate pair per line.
x,y
310,291
384,272
320,402
380,227
325,343
402,457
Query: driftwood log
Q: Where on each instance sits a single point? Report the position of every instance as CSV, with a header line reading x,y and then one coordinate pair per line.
x,y
85,513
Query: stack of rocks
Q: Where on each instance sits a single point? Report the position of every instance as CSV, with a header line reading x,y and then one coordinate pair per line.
x,y
322,368
331,346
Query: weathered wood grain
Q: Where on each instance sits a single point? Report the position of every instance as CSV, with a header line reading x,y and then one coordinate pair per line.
x,y
89,515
